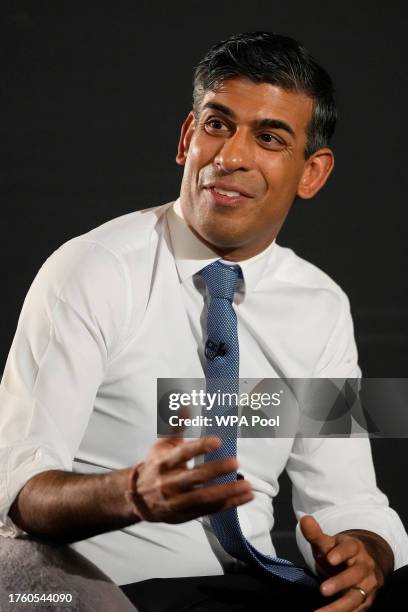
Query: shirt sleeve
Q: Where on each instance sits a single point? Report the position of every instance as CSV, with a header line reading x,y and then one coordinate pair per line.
x,y
334,478
72,322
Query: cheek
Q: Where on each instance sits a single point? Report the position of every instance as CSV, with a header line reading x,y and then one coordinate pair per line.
x,y
282,179
191,167
201,153
190,173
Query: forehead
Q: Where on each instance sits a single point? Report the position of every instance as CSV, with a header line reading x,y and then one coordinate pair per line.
x,y
251,102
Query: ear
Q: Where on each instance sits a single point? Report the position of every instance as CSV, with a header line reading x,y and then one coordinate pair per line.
x,y
186,134
317,170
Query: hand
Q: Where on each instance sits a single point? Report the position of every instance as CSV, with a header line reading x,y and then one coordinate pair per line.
x,y
348,562
163,489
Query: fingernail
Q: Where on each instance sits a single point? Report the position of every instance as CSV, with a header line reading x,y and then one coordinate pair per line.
x,y
334,558
327,588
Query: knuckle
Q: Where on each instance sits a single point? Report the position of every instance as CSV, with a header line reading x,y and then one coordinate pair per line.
x,y
376,585
179,453
197,477
160,466
354,546
372,584
160,485
156,463
204,494
378,581
173,505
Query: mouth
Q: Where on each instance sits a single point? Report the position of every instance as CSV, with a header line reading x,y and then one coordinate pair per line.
x,y
227,195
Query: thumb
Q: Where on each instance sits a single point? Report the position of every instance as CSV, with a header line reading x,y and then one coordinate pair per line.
x,y
321,542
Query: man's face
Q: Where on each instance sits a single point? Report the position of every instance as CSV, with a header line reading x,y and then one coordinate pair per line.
x,y
244,165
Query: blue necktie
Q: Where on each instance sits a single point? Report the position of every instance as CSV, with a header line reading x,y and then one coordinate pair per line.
x,y
222,353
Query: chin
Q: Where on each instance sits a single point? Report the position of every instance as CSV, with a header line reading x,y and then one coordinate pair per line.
x,y
221,239
216,231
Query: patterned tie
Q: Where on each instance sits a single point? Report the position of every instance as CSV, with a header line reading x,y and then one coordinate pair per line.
x,y
222,353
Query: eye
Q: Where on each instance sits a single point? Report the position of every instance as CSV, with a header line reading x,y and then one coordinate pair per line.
x,y
213,125
271,140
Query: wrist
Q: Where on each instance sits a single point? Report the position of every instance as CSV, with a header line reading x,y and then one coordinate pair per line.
x,y
378,549
115,487
130,492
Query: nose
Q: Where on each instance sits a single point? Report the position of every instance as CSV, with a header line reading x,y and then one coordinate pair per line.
x,y
234,154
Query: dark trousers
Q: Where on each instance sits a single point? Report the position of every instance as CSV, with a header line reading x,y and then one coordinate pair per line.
x,y
248,592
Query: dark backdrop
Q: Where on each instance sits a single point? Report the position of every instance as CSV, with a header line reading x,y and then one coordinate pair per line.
x,y
93,94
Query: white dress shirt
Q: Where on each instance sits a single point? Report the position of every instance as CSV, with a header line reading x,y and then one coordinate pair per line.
x,y
114,309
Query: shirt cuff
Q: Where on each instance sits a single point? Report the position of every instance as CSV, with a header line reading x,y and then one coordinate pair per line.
x,y
385,522
22,463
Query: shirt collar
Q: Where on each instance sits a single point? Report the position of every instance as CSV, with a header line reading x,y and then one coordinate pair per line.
x,y
191,255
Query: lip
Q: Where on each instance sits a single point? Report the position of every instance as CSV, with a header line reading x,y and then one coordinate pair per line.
x,y
228,187
225,200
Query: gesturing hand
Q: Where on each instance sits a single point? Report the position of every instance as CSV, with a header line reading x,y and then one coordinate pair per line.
x,y
164,489
351,567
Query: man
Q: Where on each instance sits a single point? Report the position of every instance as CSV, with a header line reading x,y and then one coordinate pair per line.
x,y
127,303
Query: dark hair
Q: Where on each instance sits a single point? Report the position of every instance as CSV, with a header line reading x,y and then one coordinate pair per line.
x,y
265,57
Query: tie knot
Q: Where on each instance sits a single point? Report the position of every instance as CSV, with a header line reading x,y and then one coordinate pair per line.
x,y
221,279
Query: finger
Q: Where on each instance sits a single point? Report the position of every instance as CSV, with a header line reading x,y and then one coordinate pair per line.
x,y
187,450
213,498
197,511
321,542
347,578
183,480
171,440
351,601
231,502
345,550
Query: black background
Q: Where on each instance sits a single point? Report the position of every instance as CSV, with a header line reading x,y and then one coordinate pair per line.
x,y
93,95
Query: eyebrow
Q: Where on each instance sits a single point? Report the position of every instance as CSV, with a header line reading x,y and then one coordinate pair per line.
x,y
276,124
